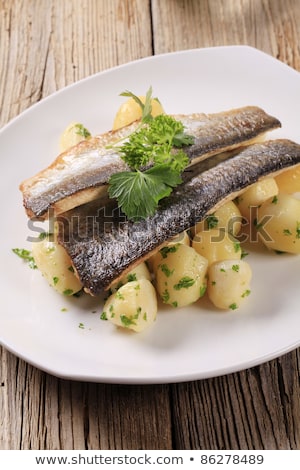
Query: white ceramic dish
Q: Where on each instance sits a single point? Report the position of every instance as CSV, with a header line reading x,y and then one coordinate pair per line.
x,y
187,344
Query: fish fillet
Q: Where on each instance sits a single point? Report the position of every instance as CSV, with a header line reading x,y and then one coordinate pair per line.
x,y
80,174
103,244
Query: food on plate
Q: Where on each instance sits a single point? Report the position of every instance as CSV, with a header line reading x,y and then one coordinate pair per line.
x,y
72,135
132,109
153,210
228,217
278,223
154,259
81,173
180,275
229,283
55,265
138,272
133,306
104,248
216,244
255,195
289,181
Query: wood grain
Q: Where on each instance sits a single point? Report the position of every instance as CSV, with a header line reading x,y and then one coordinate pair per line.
x,y
45,45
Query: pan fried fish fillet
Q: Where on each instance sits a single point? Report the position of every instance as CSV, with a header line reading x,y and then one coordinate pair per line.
x,y
103,244
80,174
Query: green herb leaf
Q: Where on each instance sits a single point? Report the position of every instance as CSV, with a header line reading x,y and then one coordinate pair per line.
x,y
184,283
83,131
138,193
26,255
145,107
156,143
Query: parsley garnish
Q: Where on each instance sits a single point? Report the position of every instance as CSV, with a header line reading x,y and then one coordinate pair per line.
x,y
131,277
184,283
166,270
168,249
127,321
233,306
26,255
212,221
156,143
81,130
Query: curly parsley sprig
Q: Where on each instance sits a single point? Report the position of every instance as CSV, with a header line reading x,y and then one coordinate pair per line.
x,y
158,144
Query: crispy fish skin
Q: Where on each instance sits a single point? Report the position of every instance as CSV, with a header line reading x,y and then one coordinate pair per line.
x,y
80,174
103,244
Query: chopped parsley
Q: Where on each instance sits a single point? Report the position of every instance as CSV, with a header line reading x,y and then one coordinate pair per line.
x,y
165,296
81,130
103,316
168,249
246,293
286,231
68,292
119,295
235,267
131,277
298,230
44,235
212,221
202,290
166,270
275,200
81,325
236,246
233,306
26,255
184,283
55,280
127,321
156,143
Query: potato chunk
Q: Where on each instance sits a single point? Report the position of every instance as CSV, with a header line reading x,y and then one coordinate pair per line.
x,y
133,306
227,217
256,195
56,266
229,283
139,272
155,259
130,111
278,223
289,180
216,245
72,135
181,275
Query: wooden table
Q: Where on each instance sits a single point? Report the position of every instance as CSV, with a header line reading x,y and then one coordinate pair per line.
x,y
45,45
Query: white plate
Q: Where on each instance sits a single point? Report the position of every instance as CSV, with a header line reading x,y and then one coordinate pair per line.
x,y
187,344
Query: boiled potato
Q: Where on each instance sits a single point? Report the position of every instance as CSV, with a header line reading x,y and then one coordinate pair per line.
x,y
216,245
229,283
133,306
130,111
56,266
256,195
72,135
227,217
278,223
155,259
181,275
139,272
289,180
